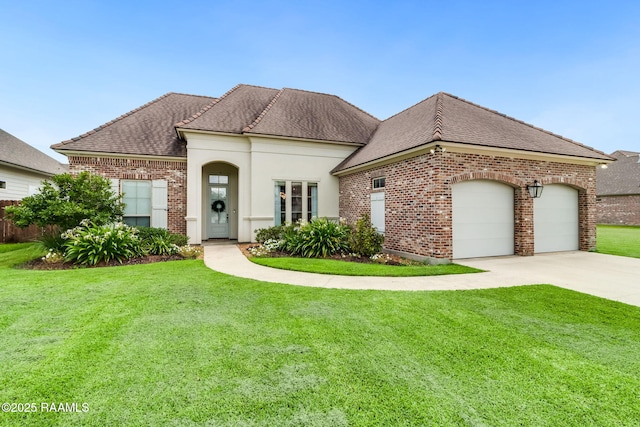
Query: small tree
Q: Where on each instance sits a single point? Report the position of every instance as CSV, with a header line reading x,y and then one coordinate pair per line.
x,y
68,199
365,239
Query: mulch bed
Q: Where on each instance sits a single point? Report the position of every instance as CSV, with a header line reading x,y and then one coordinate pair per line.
x,y
39,264
391,259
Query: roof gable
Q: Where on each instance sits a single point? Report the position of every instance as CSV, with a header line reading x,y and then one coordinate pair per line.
x,y
233,111
621,177
19,153
147,130
288,113
444,117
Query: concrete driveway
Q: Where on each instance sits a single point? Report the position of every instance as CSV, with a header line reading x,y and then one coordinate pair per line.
x,y
607,276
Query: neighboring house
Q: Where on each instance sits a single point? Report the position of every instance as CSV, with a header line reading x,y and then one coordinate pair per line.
x,y
23,168
618,190
443,179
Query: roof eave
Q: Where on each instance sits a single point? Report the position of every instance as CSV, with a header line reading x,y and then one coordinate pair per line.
x,y
457,147
81,153
183,131
28,169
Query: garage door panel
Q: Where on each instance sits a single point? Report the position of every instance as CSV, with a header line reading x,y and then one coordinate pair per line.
x,y
483,219
556,219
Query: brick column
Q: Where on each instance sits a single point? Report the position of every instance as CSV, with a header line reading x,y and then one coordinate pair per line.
x,y
523,227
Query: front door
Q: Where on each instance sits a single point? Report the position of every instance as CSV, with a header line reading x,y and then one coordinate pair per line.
x,y
218,214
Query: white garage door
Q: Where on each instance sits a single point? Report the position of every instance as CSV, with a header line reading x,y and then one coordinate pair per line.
x,y
483,219
555,219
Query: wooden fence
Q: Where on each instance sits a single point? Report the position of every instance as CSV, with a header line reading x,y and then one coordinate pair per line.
x,y
10,233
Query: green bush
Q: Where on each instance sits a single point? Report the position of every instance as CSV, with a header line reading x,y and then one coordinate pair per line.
x,y
68,199
159,241
365,240
52,242
159,246
89,244
276,232
318,238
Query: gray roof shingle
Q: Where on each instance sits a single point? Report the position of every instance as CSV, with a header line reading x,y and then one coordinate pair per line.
x,y
621,177
255,110
16,152
288,112
444,117
233,111
310,115
147,130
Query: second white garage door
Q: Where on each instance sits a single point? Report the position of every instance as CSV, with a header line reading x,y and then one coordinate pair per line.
x,y
555,219
483,219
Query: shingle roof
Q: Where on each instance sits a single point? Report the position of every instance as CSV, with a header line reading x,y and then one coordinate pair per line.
x,y
147,130
17,152
232,112
444,117
621,177
288,113
310,115
255,110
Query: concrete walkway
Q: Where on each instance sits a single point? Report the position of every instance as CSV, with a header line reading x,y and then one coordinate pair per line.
x,y
607,276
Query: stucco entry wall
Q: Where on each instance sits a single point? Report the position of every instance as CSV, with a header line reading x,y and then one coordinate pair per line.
x,y
418,206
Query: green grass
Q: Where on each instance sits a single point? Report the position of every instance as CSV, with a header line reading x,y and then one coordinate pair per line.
x,y
332,266
619,240
178,344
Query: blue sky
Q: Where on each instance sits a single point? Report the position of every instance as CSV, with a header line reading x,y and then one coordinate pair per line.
x,y
571,67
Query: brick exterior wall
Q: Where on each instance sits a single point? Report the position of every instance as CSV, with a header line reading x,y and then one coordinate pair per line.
x,y
174,172
418,207
624,210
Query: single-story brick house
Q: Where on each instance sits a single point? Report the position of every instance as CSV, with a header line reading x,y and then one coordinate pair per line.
x,y
442,179
618,190
23,168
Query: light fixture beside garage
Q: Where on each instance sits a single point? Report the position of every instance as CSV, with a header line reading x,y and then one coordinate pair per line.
x,y
535,189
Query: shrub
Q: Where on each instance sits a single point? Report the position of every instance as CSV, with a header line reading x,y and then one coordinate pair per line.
x,y
53,257
266,248
365,240
190,252
159,246
318,238
89,244
276,232
159,241
52,242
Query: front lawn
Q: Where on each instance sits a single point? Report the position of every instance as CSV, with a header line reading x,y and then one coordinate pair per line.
x,y
619,240
178,344
331,266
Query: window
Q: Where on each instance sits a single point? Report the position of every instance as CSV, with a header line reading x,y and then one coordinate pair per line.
x,y
312,201
137,200
218,179
294,201
281,203
379,182
3,184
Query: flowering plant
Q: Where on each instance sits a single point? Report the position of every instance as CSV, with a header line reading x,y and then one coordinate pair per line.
x,y
89,244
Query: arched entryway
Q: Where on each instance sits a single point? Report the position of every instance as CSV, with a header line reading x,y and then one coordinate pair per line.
x,y
219,201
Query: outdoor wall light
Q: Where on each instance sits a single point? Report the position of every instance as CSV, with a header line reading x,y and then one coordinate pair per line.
x,y
438,149
535,189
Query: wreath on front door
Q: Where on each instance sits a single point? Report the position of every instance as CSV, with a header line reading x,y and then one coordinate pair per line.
x,y
217,206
